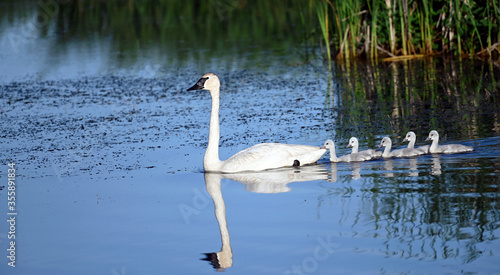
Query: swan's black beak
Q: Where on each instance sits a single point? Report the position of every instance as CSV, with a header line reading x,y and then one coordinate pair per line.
x,y
200,85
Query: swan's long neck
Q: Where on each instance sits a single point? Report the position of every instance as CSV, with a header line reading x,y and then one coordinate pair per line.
x,y
434,144
355,148
411,144
387,150
211,161
333,155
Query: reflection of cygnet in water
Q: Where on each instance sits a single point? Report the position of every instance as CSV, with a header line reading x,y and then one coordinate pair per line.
x,y
333,177
356,169
224,258
436,166
413,167
389,166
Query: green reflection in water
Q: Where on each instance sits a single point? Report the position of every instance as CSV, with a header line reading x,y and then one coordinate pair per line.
x,y
459,99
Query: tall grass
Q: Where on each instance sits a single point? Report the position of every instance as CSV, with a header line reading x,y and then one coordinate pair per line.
x,y
372,28
348,29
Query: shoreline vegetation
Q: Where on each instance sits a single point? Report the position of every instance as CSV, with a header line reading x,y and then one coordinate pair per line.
x,y
402,29
388,30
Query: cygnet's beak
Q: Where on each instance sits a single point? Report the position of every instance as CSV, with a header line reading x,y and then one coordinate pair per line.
x,y
348,145
428,138
322,147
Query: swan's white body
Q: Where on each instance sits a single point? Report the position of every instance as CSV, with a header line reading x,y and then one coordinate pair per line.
x,y
411,137
330,145
354,143
399,153
256,158
387,143
448,148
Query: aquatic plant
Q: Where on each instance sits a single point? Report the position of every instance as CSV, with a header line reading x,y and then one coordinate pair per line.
x,y
413,28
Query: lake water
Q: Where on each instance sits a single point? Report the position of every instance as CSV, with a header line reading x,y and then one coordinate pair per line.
x,y
108,148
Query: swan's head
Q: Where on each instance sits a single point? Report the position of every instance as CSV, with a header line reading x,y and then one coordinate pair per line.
x,y
208,81
433,135
328,145
410,136
353,142
386,141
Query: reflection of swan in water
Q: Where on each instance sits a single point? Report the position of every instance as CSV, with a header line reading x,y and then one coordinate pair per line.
x,y
224,258
276,180
356,169
436,165
273,181
389,167
413,167
333,166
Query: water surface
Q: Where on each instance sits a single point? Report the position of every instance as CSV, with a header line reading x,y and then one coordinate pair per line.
x,y
109,149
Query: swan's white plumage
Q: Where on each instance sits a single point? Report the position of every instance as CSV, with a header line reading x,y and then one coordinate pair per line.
x,y
354,143
387,143
330,145
411,137
398,153
256,158
448,148
272,155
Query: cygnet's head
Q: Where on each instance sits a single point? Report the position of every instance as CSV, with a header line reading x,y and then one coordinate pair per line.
x,y
208,81
386,141
352,142
433,135
410,136
328,144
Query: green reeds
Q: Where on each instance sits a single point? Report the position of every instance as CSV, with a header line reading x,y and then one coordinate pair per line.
x,y
411,28
355,28
322,11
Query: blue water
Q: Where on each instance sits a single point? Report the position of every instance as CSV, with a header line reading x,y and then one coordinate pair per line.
x,y
109,176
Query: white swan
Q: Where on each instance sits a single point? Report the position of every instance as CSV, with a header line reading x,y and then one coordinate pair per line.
x,y
387,143
411,137
330,145
354,143
399,153
258,157
448,148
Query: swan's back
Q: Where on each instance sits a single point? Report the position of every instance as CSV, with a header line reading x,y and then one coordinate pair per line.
x,y
424,149
373,153
447,148
354,143
453,148
355,157
272,155
407,152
